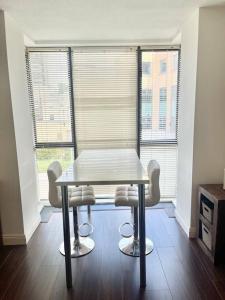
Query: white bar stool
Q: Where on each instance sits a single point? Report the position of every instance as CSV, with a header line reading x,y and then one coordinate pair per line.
x,y
77,196
128,196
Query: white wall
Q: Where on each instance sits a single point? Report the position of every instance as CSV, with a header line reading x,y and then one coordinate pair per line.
x,y
201,155
23,126
189,51
10,202
209,133
19,214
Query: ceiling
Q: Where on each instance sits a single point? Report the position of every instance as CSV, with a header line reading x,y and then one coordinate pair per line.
x,y
96,21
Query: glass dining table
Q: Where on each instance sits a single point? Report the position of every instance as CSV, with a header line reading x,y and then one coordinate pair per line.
x,y
104,167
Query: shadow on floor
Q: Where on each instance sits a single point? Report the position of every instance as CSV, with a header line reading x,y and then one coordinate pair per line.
x,y
47,211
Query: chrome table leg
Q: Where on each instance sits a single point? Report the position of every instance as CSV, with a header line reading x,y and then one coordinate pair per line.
x,y
66,233
141,190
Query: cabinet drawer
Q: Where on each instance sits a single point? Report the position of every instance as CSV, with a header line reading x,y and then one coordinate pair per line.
x,y
206,208
206,237
207,212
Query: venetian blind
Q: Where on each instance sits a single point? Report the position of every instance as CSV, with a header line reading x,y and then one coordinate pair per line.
x,y
159,106
48,76
50,101
105,99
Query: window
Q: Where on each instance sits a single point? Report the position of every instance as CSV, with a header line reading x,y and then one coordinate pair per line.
x,y
159,141
49,91
147,108
44,157
94,104
146,68
163,66
104,85
173,118
175,61
146,95
105,100
162,108
47,102
105,97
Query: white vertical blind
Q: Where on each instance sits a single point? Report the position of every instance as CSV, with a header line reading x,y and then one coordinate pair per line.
x,y
105,92
159,115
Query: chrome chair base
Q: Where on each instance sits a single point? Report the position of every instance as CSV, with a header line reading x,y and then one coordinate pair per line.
x,y
83,247
124,225
85,229
130,247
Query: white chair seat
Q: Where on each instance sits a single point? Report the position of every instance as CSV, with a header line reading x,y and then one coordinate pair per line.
x,y
128,196
77,196
82,195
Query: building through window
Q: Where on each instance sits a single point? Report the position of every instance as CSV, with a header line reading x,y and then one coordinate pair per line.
x,y
163,66
162,108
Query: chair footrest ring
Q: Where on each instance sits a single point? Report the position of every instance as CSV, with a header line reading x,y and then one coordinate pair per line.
x,y
89,230
121,228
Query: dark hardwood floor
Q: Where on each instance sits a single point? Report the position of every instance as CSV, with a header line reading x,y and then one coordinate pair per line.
x,y
176,269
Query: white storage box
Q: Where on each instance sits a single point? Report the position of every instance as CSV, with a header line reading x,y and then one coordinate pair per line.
x,y
206,237
207,212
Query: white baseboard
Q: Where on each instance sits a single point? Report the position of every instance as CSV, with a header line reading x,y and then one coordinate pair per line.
x,y
32,230
181,222
190,231
13,239
19,239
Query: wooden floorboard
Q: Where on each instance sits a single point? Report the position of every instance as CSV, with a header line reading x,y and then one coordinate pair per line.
x,y
176,269
4,253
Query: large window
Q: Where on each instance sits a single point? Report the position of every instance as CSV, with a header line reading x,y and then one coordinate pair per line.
x,y
159,141
86,98
146,68
105,100
44,157
174,107
162,108
50,98
163,66
146,108
99,89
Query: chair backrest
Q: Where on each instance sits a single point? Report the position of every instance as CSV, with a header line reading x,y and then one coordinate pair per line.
x,y
54,172
153,187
